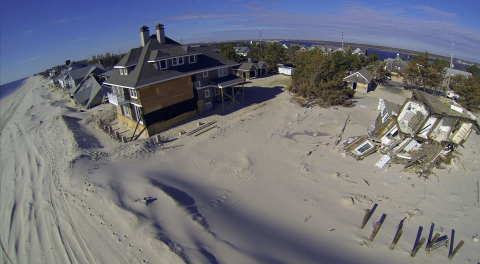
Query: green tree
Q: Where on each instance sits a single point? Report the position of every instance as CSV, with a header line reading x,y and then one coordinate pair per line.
x,y
372,57
469,91
411,74
317,79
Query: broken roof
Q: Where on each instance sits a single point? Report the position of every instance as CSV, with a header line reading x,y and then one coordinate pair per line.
x,y
438,107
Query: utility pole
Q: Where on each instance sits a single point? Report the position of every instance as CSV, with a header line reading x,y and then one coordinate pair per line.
x,y
260,34
451,64
342,38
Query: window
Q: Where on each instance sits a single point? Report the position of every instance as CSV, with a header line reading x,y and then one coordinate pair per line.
x,y
207,93
364,147
125,72
222,72
180,60
138,113
118,91
162,64
197,84
127,111
121,71
217,91
205,74
174,61
133,93
191,59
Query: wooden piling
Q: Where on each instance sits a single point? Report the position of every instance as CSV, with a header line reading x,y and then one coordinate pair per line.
x,y
456,249
396,239
375,231
437,235
419,245
365,218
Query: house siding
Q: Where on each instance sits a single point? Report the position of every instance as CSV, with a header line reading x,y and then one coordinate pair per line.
x,y
164,94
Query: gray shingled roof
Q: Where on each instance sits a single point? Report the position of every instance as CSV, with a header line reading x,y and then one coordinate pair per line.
x,y
145,72
247,66
362,76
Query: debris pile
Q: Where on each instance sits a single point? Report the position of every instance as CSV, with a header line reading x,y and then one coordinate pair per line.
x,y
421,134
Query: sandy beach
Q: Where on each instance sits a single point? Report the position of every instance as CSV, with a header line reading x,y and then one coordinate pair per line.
x,y
266,185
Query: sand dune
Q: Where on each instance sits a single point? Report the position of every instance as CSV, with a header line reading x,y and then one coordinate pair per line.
x,y
267,185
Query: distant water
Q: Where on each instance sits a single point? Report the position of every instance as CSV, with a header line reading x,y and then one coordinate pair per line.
x,y
9,88
383,54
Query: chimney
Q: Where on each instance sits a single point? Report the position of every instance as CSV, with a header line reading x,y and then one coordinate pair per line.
x,y
160,33
144,35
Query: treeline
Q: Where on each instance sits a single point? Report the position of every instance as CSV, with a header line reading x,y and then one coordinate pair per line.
x,y
318,77
424,73
468,89
107,60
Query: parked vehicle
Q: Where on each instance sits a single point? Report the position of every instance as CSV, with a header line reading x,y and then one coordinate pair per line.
x,y
452,95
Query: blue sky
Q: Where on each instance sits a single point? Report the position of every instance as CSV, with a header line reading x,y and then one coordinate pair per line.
x,y
37,35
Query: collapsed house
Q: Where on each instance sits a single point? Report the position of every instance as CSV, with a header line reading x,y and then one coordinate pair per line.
x,y
421,134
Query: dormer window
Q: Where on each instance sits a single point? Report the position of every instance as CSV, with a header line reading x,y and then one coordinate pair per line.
x,y
191,59
205,74
180,60
123,71
162,64
174,61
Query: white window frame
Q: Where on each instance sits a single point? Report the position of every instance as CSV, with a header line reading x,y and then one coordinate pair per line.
x,y
190,59
222,72
121,71
174,61
181,60
138,113
205,74
125,71
197,84
160,64
207,93
118,91
363,145
133,93
127,111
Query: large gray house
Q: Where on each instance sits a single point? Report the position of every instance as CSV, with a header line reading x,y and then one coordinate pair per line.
x,y
163,82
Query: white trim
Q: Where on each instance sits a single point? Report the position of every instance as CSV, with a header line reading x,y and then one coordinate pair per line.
x,y
199,84
223,74
206,86
136,104
205,74
134,91
183,60
123,67
174,61
129,110
160,64
168,79
166,58
194,58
